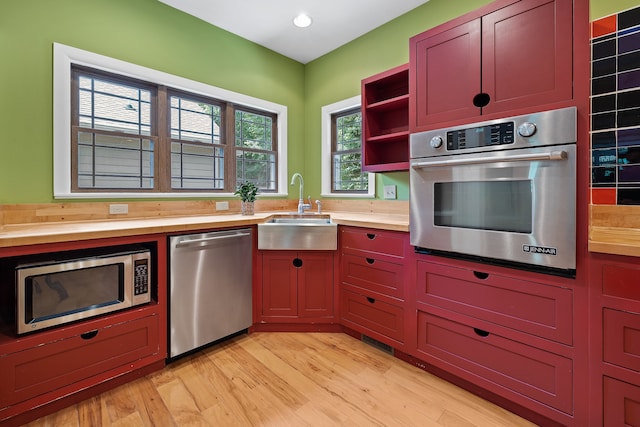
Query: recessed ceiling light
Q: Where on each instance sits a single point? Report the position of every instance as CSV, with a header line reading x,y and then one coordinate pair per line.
x,y
302,21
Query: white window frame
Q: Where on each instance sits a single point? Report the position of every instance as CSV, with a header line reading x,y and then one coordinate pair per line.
x,y
326,113
64,56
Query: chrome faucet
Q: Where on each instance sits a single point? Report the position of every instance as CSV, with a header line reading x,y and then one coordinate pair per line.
x,y
302,206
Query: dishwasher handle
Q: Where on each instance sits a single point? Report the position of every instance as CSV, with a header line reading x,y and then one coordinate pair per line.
x,y
199,242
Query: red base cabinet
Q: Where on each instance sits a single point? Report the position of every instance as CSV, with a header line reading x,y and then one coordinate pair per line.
x,y
45,371
296,287
615,350
373,284
510,56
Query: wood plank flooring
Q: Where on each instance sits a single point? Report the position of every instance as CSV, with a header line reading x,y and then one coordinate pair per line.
x,y
286,379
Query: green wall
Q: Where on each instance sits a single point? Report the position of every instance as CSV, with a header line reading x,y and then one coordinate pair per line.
x,y
151,34
144,32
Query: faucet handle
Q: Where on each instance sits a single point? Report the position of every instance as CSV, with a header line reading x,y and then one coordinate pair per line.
x,y
319,204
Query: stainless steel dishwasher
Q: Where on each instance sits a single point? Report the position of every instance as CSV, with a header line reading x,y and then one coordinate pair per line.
x,y
210,288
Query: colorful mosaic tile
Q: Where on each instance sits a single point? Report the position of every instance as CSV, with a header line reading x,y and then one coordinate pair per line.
x,y
615,109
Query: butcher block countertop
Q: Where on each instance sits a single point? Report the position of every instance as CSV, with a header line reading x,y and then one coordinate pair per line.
x,y
615,229
19,234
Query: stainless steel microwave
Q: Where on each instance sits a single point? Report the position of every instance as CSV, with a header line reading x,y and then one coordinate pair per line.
x,y
52,293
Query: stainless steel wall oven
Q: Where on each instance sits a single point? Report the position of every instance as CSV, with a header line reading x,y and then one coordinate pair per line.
x,y
500,191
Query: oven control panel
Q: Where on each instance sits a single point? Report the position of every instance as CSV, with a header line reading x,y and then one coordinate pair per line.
x,y
481,136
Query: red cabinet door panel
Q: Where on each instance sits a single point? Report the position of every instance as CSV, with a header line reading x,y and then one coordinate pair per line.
x,y
538,309
280,284
375,275
360,311
621,403
527,54
621,281
446,75
621,338
493,360
359,240
38,370
315,284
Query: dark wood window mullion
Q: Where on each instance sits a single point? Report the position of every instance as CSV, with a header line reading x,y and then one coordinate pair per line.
x,y
162,148
228,140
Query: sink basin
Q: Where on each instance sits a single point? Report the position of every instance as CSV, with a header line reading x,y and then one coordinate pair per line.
x,y
298,232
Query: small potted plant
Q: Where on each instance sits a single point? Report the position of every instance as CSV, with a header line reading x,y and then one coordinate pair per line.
x,y
247,193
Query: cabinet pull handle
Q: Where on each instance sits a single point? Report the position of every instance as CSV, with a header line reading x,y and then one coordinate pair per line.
x,y
370,260
297,262
480,332
371,236
371,300
480,275
89,335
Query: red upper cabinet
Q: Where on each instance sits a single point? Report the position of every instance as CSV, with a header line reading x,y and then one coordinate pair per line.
x,y
507,57
385,120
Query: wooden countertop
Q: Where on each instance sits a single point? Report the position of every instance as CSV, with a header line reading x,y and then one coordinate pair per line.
x,y
54,232
614,229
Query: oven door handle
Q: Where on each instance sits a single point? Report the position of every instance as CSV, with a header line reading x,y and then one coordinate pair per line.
x,y
552,155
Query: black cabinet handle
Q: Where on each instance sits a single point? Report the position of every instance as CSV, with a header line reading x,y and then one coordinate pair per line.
x,y
371,236
89,335
480,275
371,300
297,262
480,332
370,260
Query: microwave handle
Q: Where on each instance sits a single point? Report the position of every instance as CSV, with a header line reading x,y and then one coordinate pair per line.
x,y
552,155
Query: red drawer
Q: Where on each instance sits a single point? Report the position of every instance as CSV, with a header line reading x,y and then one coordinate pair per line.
x,y
497,363
359,311
621,338
542,310
620,281
621,403
37,370
375,275
373,241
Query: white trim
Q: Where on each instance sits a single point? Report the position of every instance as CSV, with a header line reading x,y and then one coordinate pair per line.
x,y
64,56
326,113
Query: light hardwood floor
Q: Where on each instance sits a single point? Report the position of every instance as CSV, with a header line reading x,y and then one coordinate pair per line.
x,y
286,379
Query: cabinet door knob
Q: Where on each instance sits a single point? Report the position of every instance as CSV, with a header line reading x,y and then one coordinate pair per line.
x,y
480,332
371,236
371,300
370,260
89,335
297,262
480,275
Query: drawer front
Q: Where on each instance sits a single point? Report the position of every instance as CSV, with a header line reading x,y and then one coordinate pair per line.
x,y
373,241
45,368
620,281
374,275
542,310
621,338
374,315
621,403
493,360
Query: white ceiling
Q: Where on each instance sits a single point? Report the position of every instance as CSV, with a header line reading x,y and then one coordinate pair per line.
x,y
269,22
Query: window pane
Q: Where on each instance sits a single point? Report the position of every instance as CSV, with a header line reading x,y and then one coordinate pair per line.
x,y
347,157
348,173
259,168
195,121
113,106
195,166
106,161
255,150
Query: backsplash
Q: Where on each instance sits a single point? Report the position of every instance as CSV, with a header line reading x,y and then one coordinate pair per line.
x,y
615,109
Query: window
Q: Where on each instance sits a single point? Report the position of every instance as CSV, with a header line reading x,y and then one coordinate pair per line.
x,y
130,132
342,151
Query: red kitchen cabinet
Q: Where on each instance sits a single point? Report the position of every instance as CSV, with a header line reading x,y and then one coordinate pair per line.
x,y
297,285
615,349
385,120
509,56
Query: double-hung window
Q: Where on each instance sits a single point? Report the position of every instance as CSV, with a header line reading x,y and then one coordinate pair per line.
x,y
342,173
149,135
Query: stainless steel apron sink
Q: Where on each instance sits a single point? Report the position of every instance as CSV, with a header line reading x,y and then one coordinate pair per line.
x,y
298,232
